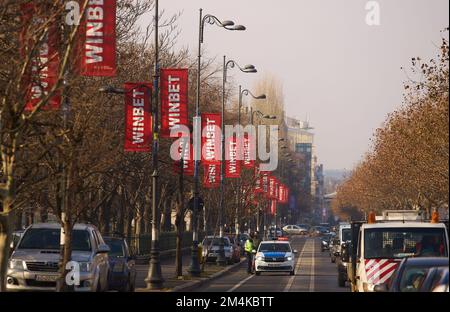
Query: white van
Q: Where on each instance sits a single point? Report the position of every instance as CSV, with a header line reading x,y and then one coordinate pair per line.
x,y
381,245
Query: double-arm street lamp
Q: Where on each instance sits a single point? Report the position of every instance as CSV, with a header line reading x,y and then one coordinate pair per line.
x,y
194,268
242,93
248,69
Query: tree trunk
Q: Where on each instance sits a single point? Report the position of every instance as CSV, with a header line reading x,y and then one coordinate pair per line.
x,y
6,223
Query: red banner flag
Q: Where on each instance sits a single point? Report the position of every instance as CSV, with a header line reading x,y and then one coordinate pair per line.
x,y
248,152
281,193
258,188
211,138
98,39
272,194
232,164
138,128
174,100
273,207
44,66
186,151
211,176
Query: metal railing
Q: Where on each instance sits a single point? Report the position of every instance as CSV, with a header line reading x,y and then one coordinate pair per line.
x,y
140,244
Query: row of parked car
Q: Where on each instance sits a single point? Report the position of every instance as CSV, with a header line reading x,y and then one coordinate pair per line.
x,y
233,246
103,262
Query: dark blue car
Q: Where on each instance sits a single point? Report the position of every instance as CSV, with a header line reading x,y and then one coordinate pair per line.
x,y
122,274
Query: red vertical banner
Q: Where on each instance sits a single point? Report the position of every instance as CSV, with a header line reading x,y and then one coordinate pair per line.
x,y
138,114
273,207
186,152
272,187
98,39
248,152
286,195
281,193
43,74
211,176
211,138
174,100
232,164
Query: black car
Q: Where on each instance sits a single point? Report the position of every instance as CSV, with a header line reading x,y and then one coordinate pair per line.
x,y
122,274
413,274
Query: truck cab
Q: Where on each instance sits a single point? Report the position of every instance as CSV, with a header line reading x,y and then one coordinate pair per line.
x,y
379,245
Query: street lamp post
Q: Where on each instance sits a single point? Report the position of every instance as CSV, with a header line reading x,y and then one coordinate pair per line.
x,y
246,69
245,92
154,279
194,268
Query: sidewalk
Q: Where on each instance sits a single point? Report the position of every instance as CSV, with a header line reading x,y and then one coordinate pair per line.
x,y
171,283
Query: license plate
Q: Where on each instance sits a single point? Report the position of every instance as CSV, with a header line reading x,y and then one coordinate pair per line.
x,y
46,278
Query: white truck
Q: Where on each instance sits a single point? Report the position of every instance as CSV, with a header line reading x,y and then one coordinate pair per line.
x,y
377,246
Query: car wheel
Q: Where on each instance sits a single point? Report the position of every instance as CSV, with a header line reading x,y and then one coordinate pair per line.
x,y
258,273
292,273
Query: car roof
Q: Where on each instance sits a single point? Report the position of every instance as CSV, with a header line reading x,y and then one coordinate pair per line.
x,y
407,224
428,261
54,225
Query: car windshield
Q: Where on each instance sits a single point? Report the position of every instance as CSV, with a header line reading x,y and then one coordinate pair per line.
x,y
116,246
404,242
215,242
267,247
346,235
413,278
50,239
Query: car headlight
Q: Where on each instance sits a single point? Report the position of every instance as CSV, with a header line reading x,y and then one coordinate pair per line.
x,y
16,265
289,258
118,267
260,258
85,267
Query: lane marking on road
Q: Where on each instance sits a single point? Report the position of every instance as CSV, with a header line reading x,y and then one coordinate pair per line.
x,y
313,264
239,284
297,268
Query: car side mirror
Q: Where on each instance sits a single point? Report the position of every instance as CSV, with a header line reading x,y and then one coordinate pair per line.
x,y
103,248
253,251
295,251
380,288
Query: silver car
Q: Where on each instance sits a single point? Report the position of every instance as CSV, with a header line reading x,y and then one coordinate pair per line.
x,y
33,265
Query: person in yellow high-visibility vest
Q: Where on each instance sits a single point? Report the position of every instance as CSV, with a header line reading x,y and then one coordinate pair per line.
x,y
249,247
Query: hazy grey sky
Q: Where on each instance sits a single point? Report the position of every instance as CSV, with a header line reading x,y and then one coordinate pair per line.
x,y
340,72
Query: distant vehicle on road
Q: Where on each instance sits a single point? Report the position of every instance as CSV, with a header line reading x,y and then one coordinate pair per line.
x,y
344,237
275,256
294,230
274,233
122,272
211,248
326,241
34,263
319,230
416,275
